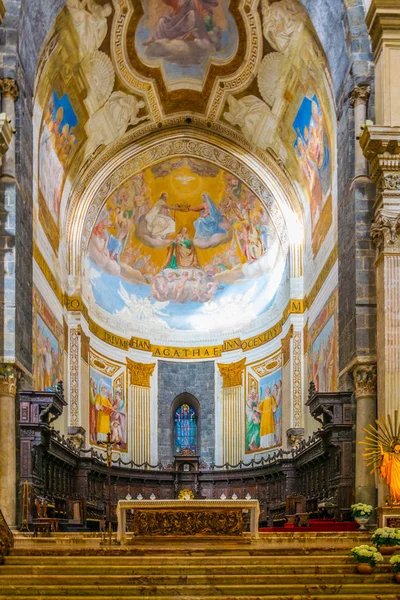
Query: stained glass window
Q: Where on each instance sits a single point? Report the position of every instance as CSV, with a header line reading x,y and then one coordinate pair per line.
x,y
185,429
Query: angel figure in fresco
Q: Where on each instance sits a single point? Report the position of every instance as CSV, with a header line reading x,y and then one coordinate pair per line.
x,y
189,20
267,408
210,222
383,452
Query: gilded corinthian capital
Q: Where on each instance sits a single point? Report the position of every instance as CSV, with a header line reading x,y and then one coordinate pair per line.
x,y
9,88
232,374
140,373
8,380
360,95
385,230
365,380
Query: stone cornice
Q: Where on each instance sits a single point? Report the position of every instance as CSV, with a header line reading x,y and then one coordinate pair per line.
x,y
365,380
381,147
383,21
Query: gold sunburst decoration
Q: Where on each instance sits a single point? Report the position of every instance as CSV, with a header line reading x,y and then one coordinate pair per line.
x,y
186,495
382,452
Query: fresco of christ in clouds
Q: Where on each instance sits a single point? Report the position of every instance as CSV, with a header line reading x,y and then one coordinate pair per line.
x,y
182,36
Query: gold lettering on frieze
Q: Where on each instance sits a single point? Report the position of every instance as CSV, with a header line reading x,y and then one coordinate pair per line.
x,y
140,344
234,344
186,353
109,338
140,373
262,338
232,374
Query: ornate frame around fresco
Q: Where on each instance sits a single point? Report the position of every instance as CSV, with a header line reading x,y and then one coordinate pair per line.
x,y
114,370
331,308
262,367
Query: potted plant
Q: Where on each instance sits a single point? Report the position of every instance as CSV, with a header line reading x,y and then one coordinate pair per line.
x,y
361,513
395,562
386,539
366,557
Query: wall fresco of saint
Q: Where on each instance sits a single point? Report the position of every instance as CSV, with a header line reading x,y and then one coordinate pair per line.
x,y
48,345
323,353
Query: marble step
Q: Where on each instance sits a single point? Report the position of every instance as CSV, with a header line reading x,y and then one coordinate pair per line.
x,y
108,560
44,581
205,569
356,591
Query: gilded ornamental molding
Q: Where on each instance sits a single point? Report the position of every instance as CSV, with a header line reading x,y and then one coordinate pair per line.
x,y
232,374
286,345
365,380
140,373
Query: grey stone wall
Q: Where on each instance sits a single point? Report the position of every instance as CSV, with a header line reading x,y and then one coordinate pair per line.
x,y
197,379
357,296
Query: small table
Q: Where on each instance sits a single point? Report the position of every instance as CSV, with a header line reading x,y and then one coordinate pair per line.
x,y
186,508
45,524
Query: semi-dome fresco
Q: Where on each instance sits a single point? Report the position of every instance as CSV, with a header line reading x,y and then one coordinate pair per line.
x,y
183,245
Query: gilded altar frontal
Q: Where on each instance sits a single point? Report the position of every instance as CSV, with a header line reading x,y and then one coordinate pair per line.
x,y
199,299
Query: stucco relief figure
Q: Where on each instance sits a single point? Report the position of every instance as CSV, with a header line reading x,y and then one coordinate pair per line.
x,y
247,113
186,35
111,121
281,22
90,22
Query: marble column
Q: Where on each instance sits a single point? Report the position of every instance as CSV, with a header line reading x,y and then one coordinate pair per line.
x,y
381,146
139,400
8,463
232,412
9,95
365,393
359,101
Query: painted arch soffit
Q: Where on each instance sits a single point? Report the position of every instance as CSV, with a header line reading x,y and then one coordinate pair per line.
x,y
191,53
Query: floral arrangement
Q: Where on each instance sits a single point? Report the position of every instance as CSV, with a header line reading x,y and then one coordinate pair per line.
x,y
395,562
386,536
361,510
186,495
367,554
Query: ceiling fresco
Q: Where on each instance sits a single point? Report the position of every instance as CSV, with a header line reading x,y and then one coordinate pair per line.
x,y
184,38
184,245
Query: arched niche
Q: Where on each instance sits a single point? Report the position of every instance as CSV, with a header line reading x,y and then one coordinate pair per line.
x,y
194,405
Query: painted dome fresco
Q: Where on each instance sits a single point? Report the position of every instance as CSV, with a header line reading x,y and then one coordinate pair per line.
x,y
183,245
